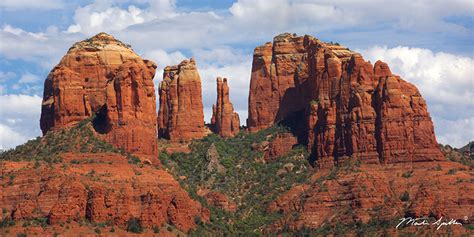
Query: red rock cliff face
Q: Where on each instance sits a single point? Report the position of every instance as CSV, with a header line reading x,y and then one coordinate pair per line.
x,y
181,116
339,104
224,121
107,190
101,76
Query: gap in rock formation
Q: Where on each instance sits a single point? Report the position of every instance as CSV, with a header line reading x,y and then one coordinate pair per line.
x,y
100,122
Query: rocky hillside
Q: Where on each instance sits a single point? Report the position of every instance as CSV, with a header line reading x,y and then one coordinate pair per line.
x,y
334,146
251,191
72,182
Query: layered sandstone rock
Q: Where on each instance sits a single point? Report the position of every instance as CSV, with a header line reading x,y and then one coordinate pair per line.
x,y
224,121
280,145
108,189
103,78
338,103
276,145
367,192
220,201
181,116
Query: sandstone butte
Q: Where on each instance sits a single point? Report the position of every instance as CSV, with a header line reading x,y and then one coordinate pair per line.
x,y
224,121
181,116
339,104
103,78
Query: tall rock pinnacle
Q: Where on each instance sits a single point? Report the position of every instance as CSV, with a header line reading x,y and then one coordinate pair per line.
x,y
225,121
338,103
103,78
181,116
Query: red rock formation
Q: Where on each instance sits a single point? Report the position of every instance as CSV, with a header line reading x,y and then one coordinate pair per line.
x,y
181,116
280,146
103,77
383,192
339,104
225,121
221,201
276,145
107,190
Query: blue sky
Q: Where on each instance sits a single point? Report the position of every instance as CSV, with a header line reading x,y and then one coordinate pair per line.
x,y
429,43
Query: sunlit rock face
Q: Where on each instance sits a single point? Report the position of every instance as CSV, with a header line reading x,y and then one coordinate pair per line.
x,y
339,104
181,116
224,121
103,78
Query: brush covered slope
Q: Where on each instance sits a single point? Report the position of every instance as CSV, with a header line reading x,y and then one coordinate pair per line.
x,y
72,182
249,194
99,107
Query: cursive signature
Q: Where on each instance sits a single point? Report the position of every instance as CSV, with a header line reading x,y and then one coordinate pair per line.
x,y
423,221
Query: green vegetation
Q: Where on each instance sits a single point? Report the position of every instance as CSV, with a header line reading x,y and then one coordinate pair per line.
x,y
6,222
21,234
407,174
461,155
38,221
79,139
452,171
134,226
314,102
405,196
246,179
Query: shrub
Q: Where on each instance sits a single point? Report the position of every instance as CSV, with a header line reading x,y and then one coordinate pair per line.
x,y
134,226
41,221
197,220
452,171
405,196
7,222
407,174
133,159
37,164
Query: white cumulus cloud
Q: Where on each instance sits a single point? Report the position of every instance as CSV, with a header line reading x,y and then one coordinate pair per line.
x,y
29,78
104,16
445,81
19,119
